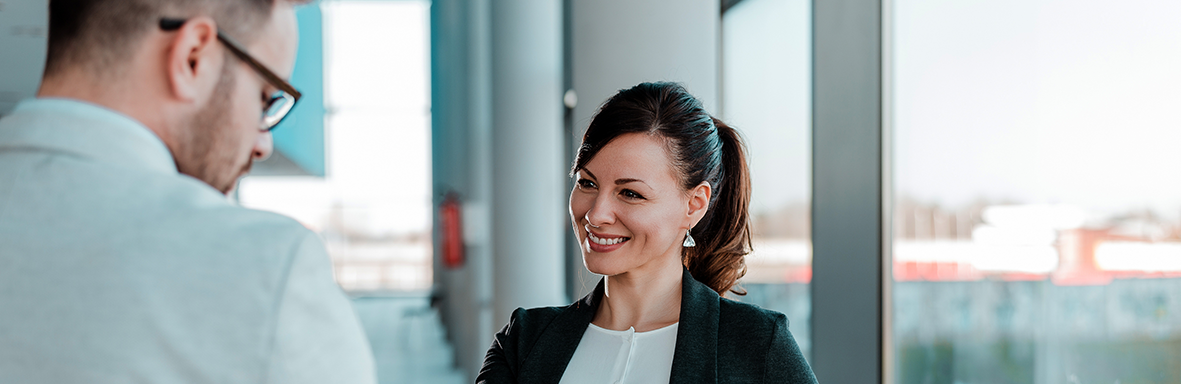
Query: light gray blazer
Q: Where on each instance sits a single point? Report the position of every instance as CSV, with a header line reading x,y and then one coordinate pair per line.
x,y
114,268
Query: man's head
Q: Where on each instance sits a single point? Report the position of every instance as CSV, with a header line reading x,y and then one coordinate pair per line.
x,y
181,81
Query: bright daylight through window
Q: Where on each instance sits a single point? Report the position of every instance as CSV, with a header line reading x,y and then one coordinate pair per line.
x,y
1037,213
766,95
373,208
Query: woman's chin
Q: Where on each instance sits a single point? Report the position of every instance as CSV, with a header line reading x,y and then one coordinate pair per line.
x,y
596,265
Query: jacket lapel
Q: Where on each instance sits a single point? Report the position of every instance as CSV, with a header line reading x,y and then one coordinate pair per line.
x,y
695,358
556,345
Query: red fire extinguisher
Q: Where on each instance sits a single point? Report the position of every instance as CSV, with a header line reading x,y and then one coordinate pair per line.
x,y
452,232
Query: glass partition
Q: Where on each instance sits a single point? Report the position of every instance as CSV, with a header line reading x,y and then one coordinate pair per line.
x,y
1037,212
766,95
373,208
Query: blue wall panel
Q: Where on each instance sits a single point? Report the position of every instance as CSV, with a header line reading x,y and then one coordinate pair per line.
x,y
300,137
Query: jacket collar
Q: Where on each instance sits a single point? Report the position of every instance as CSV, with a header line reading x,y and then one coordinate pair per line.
x,y
695,356
556,345
84,130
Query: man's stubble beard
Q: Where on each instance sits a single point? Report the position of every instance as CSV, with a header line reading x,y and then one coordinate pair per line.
x,y
209,149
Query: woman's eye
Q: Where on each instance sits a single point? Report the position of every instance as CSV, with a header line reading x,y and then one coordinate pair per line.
x,y
586,184
631,194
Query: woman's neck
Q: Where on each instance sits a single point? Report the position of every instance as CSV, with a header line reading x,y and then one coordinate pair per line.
x,y
644,299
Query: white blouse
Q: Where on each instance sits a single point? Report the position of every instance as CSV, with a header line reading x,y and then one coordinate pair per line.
x,y
605,356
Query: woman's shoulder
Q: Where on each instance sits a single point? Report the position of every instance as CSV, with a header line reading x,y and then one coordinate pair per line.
x,y
532,321
526,325
756,342
544,329
749,319
538,315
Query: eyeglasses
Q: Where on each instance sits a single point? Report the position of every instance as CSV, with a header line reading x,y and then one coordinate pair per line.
x,y
278,104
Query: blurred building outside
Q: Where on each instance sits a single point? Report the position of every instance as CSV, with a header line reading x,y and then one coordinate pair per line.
x,y
1036,224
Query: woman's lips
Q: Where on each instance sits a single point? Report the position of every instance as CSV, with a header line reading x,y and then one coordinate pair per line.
x,y
603,242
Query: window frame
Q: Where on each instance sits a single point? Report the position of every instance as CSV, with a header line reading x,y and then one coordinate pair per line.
x,y
851,191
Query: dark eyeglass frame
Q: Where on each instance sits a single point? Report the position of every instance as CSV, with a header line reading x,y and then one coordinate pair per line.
x,y
286,88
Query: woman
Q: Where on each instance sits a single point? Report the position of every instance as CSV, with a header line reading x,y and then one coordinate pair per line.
x,y
660,208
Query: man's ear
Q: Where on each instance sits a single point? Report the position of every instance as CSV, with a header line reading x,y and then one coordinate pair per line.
x,y
194,59
699,202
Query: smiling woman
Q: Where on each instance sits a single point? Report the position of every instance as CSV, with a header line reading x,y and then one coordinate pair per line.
x,y
657,137
638,209
660,207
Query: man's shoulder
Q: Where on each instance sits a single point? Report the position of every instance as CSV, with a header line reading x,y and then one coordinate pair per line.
x,y
232,227
224,215
194,217
212,233
234,222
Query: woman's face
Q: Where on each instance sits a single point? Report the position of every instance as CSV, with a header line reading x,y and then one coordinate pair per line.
x,y
628,208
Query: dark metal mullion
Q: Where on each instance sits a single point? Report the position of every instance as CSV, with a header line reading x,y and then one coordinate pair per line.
x,y
572,253
848,193
727,4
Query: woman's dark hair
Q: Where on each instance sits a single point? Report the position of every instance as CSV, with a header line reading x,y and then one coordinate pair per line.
x,y
703,149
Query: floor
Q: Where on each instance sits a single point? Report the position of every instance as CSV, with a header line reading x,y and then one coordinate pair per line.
x,y
407,340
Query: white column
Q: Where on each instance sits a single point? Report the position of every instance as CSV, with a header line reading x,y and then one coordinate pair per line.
x,y
529,204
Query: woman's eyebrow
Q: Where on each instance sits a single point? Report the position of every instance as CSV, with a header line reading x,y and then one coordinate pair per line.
x,y
617,181
626,181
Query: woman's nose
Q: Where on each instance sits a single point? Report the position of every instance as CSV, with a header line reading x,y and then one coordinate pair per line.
x,y
600,212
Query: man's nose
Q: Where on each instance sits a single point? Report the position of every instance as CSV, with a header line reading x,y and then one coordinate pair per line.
x,y
263,147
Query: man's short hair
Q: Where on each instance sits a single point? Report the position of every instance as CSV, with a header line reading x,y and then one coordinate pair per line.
x,y
100,34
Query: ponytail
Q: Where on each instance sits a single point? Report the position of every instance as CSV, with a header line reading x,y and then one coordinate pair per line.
x,y
723,235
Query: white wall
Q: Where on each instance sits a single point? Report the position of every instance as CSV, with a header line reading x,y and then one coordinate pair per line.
x,y
621,43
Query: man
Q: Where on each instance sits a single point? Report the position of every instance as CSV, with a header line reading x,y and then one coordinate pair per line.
x,y
121,259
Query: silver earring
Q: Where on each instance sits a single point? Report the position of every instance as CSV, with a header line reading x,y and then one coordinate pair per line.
x,y
689,243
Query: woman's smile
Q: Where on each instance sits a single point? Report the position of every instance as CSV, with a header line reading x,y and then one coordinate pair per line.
x,y
604,242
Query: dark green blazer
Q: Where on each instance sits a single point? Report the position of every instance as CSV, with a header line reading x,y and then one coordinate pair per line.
x,y
718,341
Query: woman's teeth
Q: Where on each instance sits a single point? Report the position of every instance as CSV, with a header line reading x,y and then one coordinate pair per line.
x,y
602,241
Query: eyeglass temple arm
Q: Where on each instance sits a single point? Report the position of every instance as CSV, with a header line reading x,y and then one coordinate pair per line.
x,y
271,76
175,24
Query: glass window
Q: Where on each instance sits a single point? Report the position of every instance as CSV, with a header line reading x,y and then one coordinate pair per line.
x,y
1037,219
766,95
373,209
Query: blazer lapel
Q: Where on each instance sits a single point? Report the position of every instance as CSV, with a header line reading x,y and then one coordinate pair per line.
x,y
556,345
696,356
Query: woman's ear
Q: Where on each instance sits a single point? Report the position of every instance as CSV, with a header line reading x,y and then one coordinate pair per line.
x,y
699,202
194,59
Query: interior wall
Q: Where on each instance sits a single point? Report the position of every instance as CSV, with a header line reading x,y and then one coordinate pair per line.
x,y
616,44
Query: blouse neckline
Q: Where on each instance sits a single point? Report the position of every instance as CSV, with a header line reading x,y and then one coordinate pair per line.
x,y
632,330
